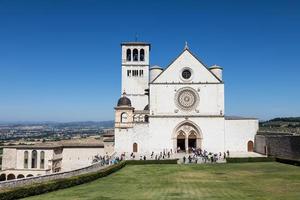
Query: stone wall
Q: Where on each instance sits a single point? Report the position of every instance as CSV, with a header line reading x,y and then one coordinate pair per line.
x,y
45,178
282,146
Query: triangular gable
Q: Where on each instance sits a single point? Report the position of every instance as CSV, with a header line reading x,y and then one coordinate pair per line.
x,y
187,60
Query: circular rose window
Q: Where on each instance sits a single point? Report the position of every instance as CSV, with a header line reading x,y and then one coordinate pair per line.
x,y
186,99
186,74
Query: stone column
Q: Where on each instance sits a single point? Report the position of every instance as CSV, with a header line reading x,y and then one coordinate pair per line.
x,y
186,145
198,143
175,145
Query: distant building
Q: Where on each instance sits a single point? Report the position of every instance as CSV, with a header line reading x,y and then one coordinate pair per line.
x,y
22,161
177,108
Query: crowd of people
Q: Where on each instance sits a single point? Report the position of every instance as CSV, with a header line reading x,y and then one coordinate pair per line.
x,y
160,156
203,156
105,160
195,156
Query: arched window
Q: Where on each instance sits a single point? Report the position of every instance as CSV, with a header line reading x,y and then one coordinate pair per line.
x,y
135,55
42,160
26,159
124,117
146,118
2,177
142,55
141,118
34,159
11,177
29,175
128,55
20,176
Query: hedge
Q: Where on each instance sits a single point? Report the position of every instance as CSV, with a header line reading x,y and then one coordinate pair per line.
x,y
40,188
146,162
250,159
288,161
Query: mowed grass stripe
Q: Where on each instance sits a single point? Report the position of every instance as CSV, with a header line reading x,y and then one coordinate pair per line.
x,y
247,181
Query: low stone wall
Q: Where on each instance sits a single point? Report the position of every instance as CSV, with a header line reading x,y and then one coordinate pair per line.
x,y
282,146
45,178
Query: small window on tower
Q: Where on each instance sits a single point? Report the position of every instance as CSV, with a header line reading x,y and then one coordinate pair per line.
x,y
135,55
142,55
124,117
141,72
128,55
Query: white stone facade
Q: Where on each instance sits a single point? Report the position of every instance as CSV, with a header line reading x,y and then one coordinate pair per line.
x,y
34,160
135,72
185,110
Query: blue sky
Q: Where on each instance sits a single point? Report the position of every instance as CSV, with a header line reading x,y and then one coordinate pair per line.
x,y
60,60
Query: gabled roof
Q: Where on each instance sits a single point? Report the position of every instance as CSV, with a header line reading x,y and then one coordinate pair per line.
x,y
187,49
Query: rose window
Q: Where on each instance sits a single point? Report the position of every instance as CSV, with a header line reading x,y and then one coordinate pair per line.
x,y
186,99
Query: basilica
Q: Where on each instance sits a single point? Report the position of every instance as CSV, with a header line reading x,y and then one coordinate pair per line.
x,y
175,108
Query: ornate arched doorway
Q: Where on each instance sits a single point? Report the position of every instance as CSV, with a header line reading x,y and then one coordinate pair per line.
x,y
181,142
192,140
187,136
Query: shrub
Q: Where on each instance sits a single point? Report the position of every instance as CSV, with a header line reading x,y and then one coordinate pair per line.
x,y
39,188
288,161
250,159
146,162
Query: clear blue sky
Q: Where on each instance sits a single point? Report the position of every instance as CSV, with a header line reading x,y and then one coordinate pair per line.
x,y
60,60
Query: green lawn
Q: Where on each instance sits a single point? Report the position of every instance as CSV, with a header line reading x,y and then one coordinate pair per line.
x,y
218,181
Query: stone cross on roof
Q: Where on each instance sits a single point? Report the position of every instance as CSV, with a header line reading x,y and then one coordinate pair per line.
x,y
186,45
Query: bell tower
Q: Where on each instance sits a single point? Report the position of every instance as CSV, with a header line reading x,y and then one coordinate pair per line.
x,y
135,72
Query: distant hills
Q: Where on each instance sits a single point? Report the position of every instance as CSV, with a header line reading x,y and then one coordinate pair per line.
x,y
281,124
101,124
279,121
285,119
95,124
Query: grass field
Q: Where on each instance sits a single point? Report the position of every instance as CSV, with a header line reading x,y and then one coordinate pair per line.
x,y
219,181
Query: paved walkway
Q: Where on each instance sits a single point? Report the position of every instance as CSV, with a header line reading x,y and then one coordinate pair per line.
x,y
238,154
200,160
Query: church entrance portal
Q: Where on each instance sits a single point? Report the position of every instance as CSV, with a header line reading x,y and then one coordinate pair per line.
x,y
188,137
192,141
180,142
